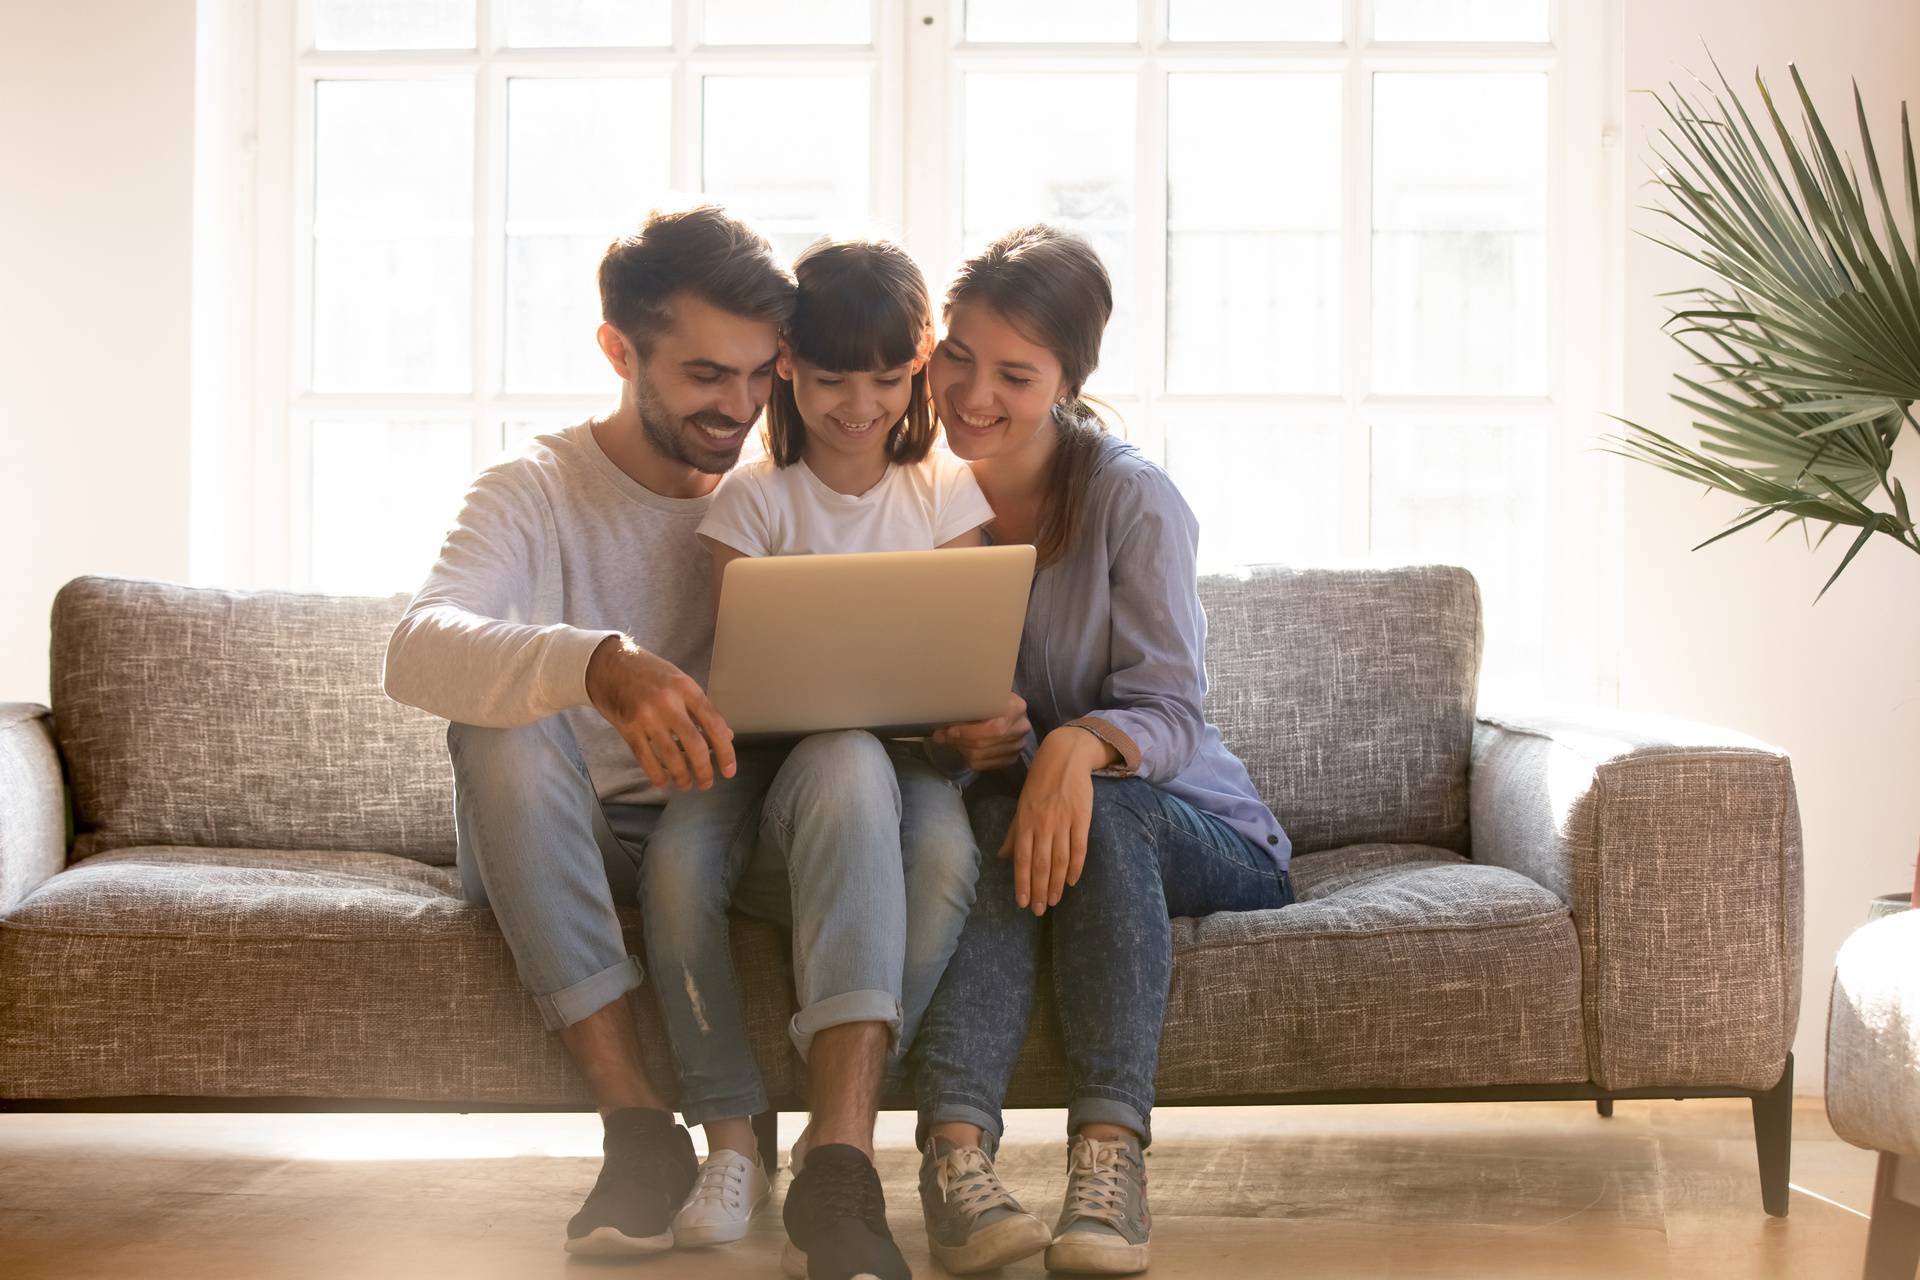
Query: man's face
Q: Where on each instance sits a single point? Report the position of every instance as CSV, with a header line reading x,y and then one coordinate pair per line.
x,y
702,387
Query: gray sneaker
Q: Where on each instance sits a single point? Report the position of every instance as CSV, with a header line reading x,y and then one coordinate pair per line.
x,y
1104,1224
973,1224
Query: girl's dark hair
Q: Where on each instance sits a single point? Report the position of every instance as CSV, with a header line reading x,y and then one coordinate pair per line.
x,y
862,307
1051,286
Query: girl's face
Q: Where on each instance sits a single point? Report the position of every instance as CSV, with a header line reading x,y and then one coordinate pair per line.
x,y
993,387
849,413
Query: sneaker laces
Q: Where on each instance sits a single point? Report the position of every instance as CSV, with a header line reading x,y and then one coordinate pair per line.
x,y
967,1180
1097,1172
724,1180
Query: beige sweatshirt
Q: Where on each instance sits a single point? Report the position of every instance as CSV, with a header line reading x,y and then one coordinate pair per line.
x,y
554,551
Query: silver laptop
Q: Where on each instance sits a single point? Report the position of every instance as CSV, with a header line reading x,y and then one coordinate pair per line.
x,y
897,642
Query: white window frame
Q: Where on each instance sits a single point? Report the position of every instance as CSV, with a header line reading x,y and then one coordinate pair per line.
x,y
916,187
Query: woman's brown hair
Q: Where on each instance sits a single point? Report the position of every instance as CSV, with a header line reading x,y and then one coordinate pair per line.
x,y
862,307
1051,286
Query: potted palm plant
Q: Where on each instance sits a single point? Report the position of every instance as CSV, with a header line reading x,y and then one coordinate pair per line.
x,y
1807,341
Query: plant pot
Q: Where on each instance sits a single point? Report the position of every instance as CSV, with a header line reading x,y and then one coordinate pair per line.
x,y
1888,904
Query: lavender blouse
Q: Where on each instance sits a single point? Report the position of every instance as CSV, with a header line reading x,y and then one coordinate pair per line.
x,y
1115,642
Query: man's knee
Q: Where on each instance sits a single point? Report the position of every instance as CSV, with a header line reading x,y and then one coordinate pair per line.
x,y
507,760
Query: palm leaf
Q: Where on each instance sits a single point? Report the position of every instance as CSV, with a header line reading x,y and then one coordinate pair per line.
x,y
1808,342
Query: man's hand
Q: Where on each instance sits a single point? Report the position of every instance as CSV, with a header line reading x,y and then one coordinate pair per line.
x,y
1048,838
673,730
989,744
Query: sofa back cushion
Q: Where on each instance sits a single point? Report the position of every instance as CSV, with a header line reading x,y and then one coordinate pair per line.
x,y
241,719
191,716
1350,696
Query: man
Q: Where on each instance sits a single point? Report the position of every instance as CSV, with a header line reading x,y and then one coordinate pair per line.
x,y
565,632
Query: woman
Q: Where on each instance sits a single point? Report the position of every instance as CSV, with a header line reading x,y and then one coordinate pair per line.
x,y
1129,810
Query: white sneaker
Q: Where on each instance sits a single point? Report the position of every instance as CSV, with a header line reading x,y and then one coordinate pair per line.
x,y
730,1188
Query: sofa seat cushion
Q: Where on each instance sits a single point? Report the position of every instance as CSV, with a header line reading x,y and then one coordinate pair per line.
x,y
186,971
1401,966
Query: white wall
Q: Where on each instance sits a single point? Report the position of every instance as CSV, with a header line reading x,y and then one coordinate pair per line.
x,y
96,227
1730,634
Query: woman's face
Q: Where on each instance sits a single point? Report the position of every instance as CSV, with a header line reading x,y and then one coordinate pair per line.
x,y
993,387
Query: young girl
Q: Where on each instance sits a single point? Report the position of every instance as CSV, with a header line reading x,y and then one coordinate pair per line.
x,y
850,468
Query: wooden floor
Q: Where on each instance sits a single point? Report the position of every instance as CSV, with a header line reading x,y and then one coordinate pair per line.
x,y
1527,1189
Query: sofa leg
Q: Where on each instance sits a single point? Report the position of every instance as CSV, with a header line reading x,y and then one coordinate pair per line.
x,y
1893,1237
1773,1138
1605,1107
766,1131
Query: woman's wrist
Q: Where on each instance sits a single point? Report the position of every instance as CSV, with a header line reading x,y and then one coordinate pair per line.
x,y
1083,747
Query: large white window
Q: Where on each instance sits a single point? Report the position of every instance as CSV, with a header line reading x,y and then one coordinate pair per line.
x,y
1354,244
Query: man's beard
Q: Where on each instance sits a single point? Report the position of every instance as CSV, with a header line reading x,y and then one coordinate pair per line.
x,y
680,441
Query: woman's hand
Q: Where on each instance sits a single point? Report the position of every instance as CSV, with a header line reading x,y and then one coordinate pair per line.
x,y
1048,838
989,744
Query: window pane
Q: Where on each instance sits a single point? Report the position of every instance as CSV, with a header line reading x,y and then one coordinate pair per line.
x,y
784,22
1474,496
1057,21
392,151
805,178
517,433
384,496
393,236
1460,20
1459,233
564,204
393,24
1264,494
581,24
392,313
1059,149
1237,20
1253,250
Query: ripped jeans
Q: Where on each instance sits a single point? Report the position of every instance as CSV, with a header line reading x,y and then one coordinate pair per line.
x,y
1150,856
880,855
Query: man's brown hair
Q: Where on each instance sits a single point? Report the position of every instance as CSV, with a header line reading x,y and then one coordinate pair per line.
x,y
862,307
702,251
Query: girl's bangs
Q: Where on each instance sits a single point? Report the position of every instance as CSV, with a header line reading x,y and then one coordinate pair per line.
x,y
842,333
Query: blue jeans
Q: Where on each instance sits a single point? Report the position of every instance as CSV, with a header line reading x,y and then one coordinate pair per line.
x,y
1150,857
535,844
880,847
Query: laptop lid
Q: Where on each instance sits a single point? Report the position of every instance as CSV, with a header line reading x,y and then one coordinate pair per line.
x,y
897,642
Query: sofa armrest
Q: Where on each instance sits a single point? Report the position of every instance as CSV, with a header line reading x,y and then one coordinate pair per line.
x,y
1677,847
1873,1037
33,802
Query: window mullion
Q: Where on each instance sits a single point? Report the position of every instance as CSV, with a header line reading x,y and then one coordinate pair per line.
x,y
1150,253
1356,433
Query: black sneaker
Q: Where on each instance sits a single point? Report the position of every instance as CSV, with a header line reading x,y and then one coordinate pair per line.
x,y
837,1221
648,1170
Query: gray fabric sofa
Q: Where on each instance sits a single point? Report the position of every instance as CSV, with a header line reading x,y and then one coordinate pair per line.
x,y
253,899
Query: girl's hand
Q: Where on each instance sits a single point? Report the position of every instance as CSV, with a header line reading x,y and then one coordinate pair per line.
x,y
990,744
1048,838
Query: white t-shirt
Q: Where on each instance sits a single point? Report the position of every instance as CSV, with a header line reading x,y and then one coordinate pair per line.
x,y
766,510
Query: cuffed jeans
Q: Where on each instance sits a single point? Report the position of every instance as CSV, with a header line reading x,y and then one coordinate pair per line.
x,y
533,841
882,862
1150,857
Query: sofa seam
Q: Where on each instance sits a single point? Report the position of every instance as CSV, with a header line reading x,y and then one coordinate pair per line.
x,y
1380,933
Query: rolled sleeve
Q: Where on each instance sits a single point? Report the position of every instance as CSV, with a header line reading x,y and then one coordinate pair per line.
x,y
1152,698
